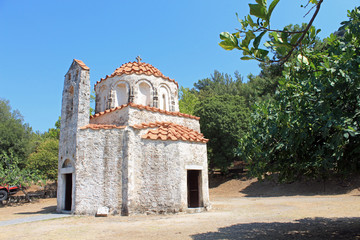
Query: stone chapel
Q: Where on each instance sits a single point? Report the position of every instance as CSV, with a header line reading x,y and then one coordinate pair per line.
x,y
137,154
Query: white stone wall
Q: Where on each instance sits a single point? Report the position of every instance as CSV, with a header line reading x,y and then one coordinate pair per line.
x,y
130,116
158,174
118,117
194,156
99,166
138,116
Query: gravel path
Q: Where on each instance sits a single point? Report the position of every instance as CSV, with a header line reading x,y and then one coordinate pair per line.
x,y
33,219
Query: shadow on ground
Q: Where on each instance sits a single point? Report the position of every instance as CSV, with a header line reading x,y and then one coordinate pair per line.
x,y
270,188
303,188
318,228
45,210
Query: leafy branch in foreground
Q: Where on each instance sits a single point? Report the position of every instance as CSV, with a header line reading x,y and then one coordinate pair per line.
x,y
312,127
284,41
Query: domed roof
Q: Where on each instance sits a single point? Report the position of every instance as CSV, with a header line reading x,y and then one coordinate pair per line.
x,y
137,68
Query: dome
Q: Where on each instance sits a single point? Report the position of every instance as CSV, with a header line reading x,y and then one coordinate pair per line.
x,y
138,68
137,82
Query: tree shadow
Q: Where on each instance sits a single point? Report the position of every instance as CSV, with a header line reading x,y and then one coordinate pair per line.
x,y
269,188
303,229
45,210
216,180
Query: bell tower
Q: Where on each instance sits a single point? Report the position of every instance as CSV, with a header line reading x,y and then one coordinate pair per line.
x,y
75,111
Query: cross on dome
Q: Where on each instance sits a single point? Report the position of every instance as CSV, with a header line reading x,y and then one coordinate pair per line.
x,y
138,58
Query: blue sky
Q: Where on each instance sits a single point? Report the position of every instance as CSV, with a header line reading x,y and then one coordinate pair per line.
x,y
39,39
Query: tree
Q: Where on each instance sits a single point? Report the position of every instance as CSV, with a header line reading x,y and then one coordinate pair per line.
x,y
219,84
312,127
45,156
45,159
15,135
188,101
223,120
12,174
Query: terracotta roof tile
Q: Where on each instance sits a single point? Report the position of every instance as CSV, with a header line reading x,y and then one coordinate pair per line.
x,y
101,126
170,131
142,107
137,68
82,64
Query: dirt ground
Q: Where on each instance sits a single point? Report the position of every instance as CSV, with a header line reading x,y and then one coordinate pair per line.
x,y
241,209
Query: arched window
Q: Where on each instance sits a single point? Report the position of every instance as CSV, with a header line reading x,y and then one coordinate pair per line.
x,y
102,99
164,98
121,94
144,94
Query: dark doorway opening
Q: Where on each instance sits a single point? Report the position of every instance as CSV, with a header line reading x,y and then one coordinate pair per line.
x,y
194,188
68,192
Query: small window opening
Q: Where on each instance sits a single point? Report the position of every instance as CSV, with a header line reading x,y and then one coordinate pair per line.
x,y
164,101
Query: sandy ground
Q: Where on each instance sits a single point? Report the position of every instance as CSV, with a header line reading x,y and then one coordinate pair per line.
x,y
242,209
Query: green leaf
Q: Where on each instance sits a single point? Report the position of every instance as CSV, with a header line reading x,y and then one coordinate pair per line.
x,y
303,59
258,11
246,58
271,9
294,38
258,39
261,2
251,22
229,41
249,36
224,35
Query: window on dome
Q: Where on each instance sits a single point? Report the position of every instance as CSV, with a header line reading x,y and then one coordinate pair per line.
x,y
164,99
144,94
121,94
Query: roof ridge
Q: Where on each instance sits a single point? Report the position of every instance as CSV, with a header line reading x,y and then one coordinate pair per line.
x,y
81,64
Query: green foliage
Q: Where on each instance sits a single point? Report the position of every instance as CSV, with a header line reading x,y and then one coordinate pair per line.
x,y
219,84
92,102
262,87
312,127
223,119
188,101
45,159
223,104
15,135
12,174
285,42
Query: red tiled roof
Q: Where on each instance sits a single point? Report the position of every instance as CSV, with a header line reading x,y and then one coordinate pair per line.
x,y
141,107
82,64
137,68
170,131
101,126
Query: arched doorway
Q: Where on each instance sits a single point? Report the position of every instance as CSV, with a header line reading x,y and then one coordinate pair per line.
x,y
67,171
